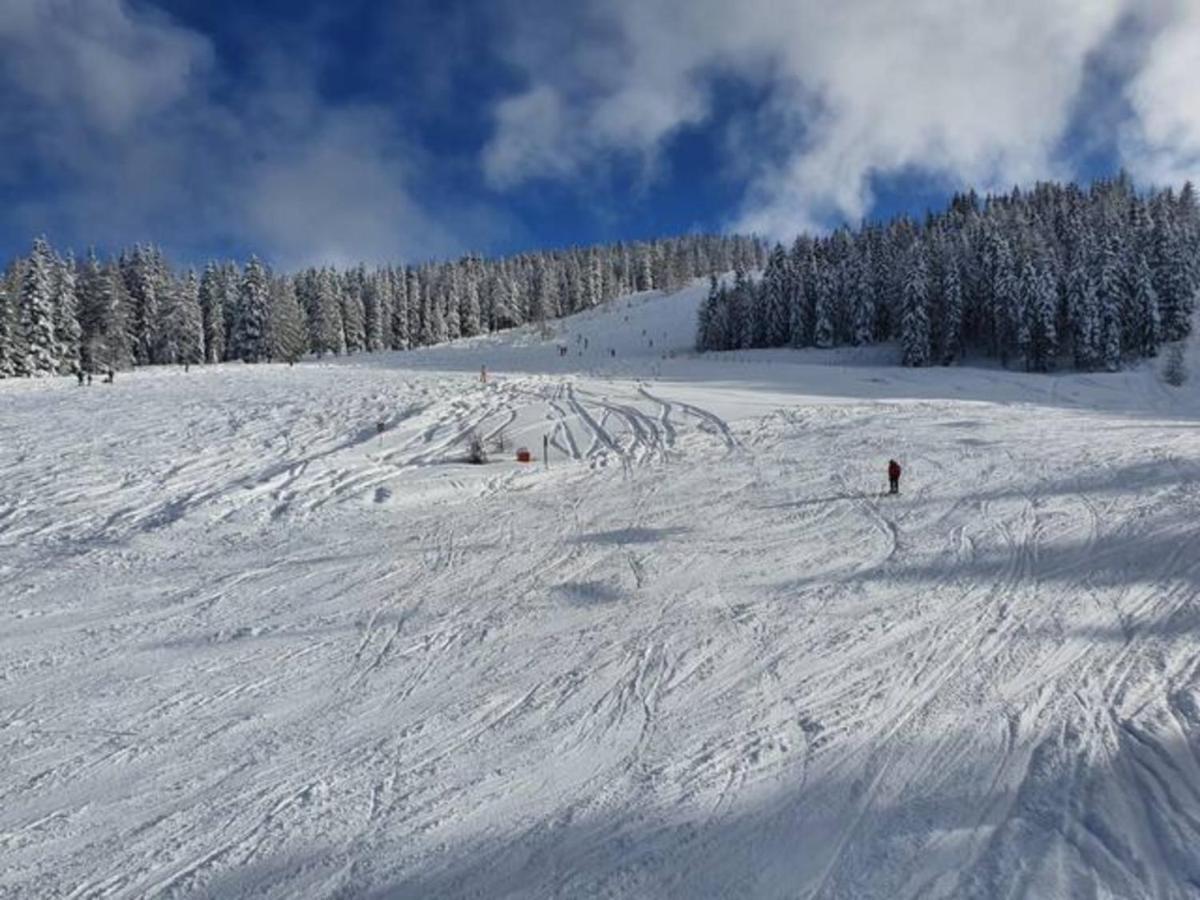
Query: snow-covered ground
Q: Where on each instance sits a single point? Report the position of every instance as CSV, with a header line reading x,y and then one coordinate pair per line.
x,y
251,647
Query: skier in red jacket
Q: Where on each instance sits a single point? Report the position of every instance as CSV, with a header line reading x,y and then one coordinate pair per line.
x,y
894,471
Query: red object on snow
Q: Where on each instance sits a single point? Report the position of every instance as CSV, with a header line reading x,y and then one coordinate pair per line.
x,y
894,470
523,455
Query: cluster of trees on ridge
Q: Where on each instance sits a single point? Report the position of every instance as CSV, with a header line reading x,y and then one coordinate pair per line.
x,y
1049,277
59,315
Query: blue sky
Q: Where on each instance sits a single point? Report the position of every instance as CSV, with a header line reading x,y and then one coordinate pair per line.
x,y
395,131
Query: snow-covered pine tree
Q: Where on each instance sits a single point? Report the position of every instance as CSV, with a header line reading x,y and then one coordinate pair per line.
x,y
539,297
330,335
67,332
250,320
1041,317
1112,302
400,337
1175,371
470,312
826,299
732,328
593,285
7,348
88,276
385,287
372,304
231,290
287,331
110,346
801,301
182,329
644,278
952,313
1149,329
1087,327
212,314
706,317
433,323
777,324
40,356
503,313
1007,306
1175,280
862,299
143,272
353,316
416,305
915,328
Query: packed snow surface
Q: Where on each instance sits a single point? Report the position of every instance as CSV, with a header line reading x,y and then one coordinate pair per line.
x,y
251,646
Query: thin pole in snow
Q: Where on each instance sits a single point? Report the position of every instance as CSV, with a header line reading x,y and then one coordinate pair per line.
x,y
546,449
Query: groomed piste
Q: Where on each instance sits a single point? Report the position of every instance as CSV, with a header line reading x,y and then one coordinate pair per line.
x,y
264,632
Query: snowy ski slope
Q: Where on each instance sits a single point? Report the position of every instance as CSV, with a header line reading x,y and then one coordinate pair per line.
x,y
251,648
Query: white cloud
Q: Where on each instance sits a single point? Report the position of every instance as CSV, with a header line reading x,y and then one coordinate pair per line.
x,y
340,197
1162,144
120,104
94,57
971,92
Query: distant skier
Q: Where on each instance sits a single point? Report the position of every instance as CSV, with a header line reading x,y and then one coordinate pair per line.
x,y
894,472
79,374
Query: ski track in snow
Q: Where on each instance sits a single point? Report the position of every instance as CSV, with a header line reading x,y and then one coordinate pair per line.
x,y
251,646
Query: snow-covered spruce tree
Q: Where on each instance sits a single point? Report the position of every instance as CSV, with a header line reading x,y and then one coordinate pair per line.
x,y
40,356
914,334
1175,371
67,332
433,323
353,316
707,316
88,286
1087,327
731,325
802,301
952,313
400,338
144,272
212,314
1042,319
1113,306
7,348
110,346
469,311
644,278
862,292
182,328
593,286
776,284
505,311
1175,279
287,331
230,280
1007,304
826,298
326,334
372,311
250,318
1148,331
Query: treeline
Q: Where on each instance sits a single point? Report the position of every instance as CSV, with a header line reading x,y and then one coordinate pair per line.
x,y
1054,276
59,315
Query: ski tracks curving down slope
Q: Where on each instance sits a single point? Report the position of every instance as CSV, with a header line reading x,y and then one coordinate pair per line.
x,y
252,645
